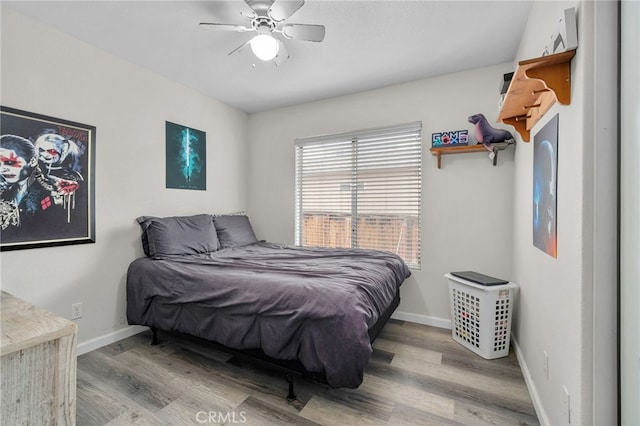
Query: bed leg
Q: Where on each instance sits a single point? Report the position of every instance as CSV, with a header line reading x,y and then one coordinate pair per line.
x,y
154,339
292,396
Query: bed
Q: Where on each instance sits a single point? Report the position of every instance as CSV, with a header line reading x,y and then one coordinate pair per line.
x,y
311,310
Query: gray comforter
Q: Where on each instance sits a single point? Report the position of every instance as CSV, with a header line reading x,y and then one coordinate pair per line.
x,y
310,304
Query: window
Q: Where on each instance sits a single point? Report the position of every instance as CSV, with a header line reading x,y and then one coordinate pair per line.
x,y
361,189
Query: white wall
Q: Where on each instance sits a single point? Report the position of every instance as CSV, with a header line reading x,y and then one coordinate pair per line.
x,y
47,72
557,306
603,257
467,220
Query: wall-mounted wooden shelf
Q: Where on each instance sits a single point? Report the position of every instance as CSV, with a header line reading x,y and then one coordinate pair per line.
x,y
536,85
495,147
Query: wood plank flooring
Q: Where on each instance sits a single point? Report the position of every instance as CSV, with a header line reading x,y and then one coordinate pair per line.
x,y
417,375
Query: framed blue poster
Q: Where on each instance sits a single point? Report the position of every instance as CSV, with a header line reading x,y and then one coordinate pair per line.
x,y
186,157
545,188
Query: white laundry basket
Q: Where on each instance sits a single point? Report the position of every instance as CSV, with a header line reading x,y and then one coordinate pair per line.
x,y
481,316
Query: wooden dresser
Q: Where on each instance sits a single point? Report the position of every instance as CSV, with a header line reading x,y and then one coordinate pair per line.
x,y
38,365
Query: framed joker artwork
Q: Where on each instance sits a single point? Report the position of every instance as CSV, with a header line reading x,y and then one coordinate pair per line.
x,y
47,181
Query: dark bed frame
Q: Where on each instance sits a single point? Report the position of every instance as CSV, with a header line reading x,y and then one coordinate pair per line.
x,y
290,368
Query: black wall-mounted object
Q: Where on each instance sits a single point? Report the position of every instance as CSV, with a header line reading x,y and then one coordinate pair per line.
x,y
506,81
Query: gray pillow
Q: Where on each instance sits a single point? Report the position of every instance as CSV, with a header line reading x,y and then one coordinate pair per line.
x,y
164,236
234,231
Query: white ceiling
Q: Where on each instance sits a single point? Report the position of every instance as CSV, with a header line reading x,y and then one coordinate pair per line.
x,y
368,44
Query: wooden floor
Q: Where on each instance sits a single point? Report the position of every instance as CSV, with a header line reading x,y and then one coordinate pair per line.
x,y
417,376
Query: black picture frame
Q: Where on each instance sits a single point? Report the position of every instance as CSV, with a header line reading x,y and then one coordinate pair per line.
x,y
47,181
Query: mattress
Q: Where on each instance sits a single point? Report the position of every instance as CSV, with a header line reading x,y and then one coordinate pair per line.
x,y
313,305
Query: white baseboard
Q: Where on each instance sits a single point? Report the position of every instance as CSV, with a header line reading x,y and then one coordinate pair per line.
x,y
422,319
107,339
535,397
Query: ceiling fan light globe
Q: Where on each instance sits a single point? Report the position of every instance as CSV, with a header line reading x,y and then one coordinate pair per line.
x,y
265,47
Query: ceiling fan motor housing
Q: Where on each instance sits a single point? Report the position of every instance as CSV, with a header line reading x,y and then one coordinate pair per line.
x,y
263,24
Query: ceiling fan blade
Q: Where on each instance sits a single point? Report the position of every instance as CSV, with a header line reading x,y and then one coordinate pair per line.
x,y
239,48
260,7
282,55
283,9
303,32
223,27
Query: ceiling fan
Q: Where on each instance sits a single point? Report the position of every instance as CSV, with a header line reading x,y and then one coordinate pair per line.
x,y
268,19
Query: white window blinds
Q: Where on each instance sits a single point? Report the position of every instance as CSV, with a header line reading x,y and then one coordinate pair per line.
x,y
361,189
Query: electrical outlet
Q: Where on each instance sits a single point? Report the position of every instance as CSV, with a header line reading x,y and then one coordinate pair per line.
x,y
545,364
76,310
567,405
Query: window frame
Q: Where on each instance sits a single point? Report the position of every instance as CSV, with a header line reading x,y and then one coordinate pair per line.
x,y
408,133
